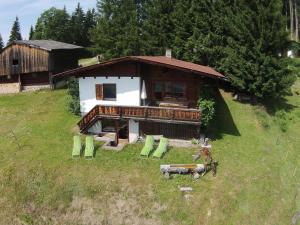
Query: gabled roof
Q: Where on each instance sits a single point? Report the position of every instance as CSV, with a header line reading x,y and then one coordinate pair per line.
x,y
48,45
156,60
180,64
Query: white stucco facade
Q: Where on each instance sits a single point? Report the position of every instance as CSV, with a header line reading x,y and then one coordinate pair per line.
x,y
127,90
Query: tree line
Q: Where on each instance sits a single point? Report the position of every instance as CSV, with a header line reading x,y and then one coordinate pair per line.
x,y
58,24
245,40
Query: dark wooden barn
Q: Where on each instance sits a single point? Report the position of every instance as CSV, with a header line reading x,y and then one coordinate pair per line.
x,y
31,64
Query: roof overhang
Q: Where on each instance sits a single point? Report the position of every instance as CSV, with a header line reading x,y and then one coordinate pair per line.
x,y
151,60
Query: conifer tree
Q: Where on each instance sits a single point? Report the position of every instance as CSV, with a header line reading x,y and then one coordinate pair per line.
x,y
117,32
89,23
1,43
79,35
90,18
31,33
158,27
15,33
183,19
256,38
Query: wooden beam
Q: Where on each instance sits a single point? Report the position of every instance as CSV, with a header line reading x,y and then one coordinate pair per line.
x,y
117,132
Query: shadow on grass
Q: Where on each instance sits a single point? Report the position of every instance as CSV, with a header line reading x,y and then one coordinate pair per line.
x,y
98,146
223,122
274,105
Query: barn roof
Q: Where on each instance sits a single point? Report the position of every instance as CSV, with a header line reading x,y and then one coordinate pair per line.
x,y
48,45
156,60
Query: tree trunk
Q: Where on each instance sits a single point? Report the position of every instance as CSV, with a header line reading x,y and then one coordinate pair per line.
x,y
296,22
286,13
291,19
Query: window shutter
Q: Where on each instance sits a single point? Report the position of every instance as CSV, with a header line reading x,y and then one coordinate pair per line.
x,y
99,92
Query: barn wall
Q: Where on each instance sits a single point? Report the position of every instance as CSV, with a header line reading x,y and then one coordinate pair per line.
x,y
40,78
29,60
63,60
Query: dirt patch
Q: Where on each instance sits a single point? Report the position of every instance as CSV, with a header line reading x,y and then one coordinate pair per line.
x,y
112,210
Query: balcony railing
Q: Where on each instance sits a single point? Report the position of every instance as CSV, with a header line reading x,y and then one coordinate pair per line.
x,y
144,113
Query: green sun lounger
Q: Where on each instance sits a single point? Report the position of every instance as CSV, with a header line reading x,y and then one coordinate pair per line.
x,y
76,147
162,148
89,147
148,146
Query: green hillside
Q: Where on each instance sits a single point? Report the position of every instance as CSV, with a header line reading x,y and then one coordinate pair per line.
x,y
257,180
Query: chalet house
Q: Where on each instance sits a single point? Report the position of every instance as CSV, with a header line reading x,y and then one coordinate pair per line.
x,y
31,64
142,95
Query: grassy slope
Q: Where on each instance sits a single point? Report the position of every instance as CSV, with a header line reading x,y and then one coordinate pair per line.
x,y
88,61
257,180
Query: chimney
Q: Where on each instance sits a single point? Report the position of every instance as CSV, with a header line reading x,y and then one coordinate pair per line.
x,y
169,53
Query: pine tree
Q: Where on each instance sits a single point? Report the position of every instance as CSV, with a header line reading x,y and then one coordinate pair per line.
x,y
89,24
90,18
256,37
31,33
1,43
15,33
158,27
117,32
183,21
79,35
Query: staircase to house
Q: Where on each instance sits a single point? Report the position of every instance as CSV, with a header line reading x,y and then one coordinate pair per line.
x,y
142,113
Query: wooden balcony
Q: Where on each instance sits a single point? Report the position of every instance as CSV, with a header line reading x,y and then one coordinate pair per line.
x,y
144,113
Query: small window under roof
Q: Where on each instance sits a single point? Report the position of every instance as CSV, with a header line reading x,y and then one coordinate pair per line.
x,y
15,62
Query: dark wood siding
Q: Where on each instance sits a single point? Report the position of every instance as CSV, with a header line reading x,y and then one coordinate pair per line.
x,y
193,83
62,60
35,78
169,130
119,69
28,59
12,79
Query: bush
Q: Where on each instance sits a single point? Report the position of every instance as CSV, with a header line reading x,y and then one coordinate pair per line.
x,y
206,104
282,120
73,102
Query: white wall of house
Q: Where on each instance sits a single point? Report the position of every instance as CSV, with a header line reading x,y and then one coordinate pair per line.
x,y
133,127
128,92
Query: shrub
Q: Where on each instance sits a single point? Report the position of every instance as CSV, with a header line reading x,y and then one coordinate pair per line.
x,y
206,104
73,102
282,120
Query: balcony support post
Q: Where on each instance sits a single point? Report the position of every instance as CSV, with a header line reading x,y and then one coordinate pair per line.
x,y
117,132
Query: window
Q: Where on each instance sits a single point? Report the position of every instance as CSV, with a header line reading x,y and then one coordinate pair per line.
x,y
15,62
175,89
106,92
158,90
109,91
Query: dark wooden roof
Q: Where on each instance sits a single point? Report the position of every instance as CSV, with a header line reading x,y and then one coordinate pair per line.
x,y
154,60
48,45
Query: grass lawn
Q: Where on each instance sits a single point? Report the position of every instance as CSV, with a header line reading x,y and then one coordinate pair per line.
x,y
88,61
257,180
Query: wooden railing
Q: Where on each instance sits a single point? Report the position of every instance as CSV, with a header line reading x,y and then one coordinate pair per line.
x,y
175,115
